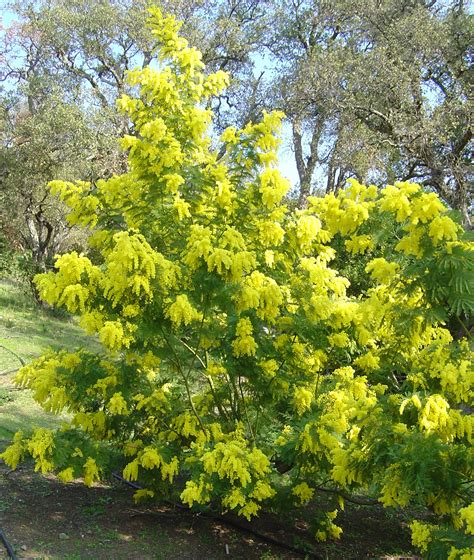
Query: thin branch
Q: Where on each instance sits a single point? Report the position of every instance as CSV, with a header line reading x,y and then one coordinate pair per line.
x,y
252,434
186,383
193,352
208,379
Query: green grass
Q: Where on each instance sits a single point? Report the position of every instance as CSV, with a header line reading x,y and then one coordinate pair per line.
x,y
26,331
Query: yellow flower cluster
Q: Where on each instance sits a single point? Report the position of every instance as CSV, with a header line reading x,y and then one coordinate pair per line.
x,y
460,554
112,335
197,492
130,266
303,492
330,530
359,244
415,209
117,404
307,230
340,340
233,461
65,287
93,423
303,398
15,452
420,535
261,293
467,516
244,343
85,206
273,187
382,270
345,213
91,472
67,475
40,446
181,312
243,470
150,458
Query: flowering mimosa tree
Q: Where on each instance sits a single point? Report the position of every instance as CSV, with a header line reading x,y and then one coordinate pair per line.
x,y
239,368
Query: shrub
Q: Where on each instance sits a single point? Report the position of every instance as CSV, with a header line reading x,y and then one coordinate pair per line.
x,y
238,370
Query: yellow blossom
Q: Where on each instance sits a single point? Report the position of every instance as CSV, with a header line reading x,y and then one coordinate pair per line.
x,y
273,187
442,227
303,492
117,404
302,399
420,535
341,340
66,475
143,494
467,515
182,312
91,472
382,270
112,335
244,344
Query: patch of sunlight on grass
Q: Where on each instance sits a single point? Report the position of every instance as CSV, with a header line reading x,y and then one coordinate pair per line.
x,y
23,413
26,331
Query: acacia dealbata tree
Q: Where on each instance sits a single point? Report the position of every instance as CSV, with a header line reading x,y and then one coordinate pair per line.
x,y
237,371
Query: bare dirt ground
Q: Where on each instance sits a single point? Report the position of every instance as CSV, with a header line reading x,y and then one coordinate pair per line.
x,y
45,519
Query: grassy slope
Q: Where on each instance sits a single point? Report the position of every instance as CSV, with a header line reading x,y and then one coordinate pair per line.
x,y
25,332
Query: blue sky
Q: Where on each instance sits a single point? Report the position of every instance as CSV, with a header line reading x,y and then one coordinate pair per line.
x,y
6,14
286,156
